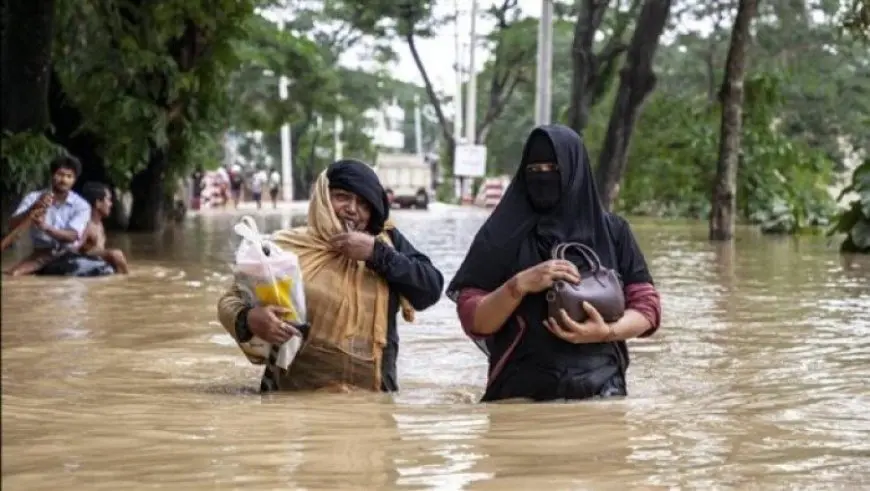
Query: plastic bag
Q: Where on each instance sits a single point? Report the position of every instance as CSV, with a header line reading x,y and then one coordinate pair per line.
x,y
268,275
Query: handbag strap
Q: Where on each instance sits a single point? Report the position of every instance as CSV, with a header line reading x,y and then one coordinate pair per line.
x,y
587,252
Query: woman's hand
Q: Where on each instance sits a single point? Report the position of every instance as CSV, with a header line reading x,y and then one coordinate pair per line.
x,y
358,246
542,276
265,323
594,330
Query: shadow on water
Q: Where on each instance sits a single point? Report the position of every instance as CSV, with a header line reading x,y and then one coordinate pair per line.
x,y
758,378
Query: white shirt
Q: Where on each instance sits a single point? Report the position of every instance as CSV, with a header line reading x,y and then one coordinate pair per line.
x,y
275,180
260,178
74,213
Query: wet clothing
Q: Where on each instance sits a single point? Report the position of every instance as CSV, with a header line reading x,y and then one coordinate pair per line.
x,y
353,325
409,274
74,264
73,213
526,360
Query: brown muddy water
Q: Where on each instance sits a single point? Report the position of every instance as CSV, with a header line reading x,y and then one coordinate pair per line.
x,y
759,379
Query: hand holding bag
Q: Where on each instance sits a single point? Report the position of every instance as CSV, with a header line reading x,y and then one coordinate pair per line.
x,y
601,287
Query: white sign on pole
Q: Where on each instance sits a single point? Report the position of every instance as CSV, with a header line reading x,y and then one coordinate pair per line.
x,y
470,161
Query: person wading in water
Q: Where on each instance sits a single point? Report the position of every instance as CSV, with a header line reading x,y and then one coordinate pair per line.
x,y
94,242
359,272
500,288
57,217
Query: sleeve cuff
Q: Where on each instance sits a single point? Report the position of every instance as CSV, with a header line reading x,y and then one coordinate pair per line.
x,y
243,331
380,257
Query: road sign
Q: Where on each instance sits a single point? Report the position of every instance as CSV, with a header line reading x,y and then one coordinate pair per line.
x,y
470,161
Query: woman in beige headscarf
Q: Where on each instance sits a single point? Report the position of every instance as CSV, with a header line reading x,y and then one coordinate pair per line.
x,y
359,271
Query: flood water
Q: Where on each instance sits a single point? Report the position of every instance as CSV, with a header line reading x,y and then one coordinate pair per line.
x,y
759,378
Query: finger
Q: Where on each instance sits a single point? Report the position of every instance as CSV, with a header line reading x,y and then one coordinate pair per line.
x,y
570,269
337,241
549,326
339,244
278,311
564,264
559,331
568,324
291,330
558,267
592,312
567,276
280,335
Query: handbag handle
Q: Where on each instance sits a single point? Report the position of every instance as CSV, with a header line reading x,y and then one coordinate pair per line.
x,y
587,252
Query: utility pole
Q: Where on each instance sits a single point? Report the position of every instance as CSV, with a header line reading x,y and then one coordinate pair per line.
x,y
457,113
286,143
457,100
471,97
543,83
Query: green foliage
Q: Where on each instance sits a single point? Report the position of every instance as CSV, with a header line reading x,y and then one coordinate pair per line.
x,y
26,157
509,131
854,221
856,18
150,75
782,181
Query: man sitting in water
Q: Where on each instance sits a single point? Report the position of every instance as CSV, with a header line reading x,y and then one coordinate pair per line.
x,y
94,240
57,217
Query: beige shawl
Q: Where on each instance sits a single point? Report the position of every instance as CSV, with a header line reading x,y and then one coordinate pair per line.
x,y
346,304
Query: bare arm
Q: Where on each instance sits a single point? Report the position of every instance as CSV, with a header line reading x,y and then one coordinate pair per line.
x,y
61,235
22,213
642,315
494,309
17,220
632,325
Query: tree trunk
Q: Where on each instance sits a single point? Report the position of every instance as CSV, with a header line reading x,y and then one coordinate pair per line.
x,y
66,121
28,30
25,61
433,96
636,82
591,72
148,213
724,199
153,188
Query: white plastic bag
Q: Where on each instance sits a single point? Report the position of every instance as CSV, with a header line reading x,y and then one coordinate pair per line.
x,y
268,275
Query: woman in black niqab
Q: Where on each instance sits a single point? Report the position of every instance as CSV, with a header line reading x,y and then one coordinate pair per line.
x,y
544,205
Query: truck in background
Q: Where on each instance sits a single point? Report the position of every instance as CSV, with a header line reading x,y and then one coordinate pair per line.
x,y
407,178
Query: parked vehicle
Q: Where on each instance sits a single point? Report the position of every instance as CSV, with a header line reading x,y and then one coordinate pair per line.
x,y
407,179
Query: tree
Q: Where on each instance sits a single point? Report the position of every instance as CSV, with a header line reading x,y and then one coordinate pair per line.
x,y
636,82
857,18
724,199
149,80
28,28
594,71
411,20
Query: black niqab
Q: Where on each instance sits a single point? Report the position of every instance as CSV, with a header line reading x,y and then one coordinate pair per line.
x,y
358,178
516,236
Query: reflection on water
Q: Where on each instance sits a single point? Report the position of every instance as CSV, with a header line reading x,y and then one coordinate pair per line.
x,y
759,378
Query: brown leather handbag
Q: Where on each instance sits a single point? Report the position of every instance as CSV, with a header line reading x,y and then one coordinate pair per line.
x,y
601,287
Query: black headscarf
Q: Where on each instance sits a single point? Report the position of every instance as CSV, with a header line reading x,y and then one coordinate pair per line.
x,y
517,235
358,178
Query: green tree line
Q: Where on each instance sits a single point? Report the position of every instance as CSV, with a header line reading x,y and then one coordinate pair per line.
x,y
142,92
